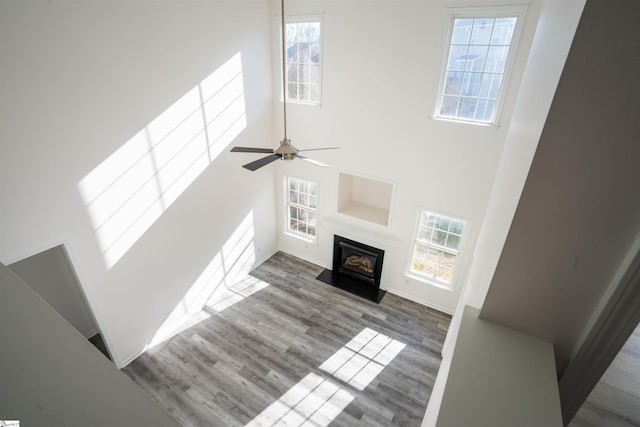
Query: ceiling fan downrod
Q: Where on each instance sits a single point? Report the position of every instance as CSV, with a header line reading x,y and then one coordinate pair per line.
x,y
284,76
286,150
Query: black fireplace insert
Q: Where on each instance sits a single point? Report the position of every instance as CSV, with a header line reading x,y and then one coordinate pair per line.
x,y
357,268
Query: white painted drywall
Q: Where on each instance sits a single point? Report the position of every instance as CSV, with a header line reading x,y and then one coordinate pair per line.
x,y
382,63
556,27
558,21
579,213
79,79
51,276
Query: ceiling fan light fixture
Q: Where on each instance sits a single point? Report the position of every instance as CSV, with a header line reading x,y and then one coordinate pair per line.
x,y
286,150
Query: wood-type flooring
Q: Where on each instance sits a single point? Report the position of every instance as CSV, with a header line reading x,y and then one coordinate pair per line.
x,y
615,400
297,352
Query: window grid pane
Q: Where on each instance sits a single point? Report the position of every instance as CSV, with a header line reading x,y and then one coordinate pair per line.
x,y
436,247
474,68
302,204
303,61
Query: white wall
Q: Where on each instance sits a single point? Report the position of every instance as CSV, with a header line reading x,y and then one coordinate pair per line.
x,y
579,213
78,81
382,63
556,26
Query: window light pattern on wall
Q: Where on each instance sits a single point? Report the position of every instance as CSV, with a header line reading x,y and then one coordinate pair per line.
x,y
436,247
302,205
223,282
132,188
303,41
475,68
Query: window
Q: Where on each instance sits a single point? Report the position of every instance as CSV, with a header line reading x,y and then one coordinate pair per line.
x,y
302,205
478,61
303,44
436,248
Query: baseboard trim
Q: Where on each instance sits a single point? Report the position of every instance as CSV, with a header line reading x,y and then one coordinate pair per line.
x,y
421,301
120,364
269,254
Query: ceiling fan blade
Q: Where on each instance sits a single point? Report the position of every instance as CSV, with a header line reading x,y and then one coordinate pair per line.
x,y
261,162
251,150
317,149
315,162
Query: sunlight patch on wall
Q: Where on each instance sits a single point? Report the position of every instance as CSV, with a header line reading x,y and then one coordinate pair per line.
x,y
226,276
131,189
313,401
362,358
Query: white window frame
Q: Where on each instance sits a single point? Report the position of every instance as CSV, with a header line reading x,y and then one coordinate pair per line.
x,y
459,255
483,12
294,19
287,204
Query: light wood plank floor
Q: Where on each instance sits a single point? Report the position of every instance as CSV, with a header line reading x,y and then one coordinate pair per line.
x,y
615,400
298,351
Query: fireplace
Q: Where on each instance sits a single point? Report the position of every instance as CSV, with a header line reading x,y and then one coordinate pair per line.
x,y
357,260
357,268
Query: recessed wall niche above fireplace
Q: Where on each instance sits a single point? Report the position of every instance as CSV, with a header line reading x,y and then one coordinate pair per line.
x,y
367,199
357,268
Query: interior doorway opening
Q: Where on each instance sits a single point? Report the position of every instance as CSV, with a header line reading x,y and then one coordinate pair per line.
x,y
50,273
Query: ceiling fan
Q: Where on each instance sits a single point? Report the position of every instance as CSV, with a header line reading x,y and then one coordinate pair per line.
x,y
286,150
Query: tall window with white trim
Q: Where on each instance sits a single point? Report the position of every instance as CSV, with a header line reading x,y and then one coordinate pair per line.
x,y
303,59
302,207
436,248
481,48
